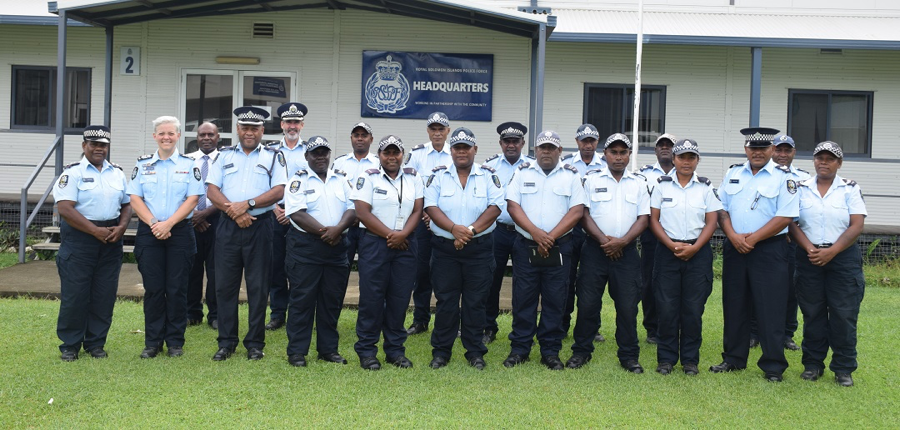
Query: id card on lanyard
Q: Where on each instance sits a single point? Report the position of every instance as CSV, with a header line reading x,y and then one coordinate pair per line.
x,y
400,220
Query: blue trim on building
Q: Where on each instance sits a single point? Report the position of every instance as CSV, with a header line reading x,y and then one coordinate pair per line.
x,y
36,20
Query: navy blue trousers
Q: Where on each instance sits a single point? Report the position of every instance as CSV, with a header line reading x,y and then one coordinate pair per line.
x,y
503,248
318,274
279,295
422,293
354,233
204,261
165,267
649,243
538,285
89,278
829,298
790,322
386,281
578,238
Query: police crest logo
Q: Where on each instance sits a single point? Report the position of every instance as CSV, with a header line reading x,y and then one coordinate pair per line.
x,y
63,181
359,182
280,158
430,178
387,90
295,186
197,173
134,172
496,180
791,186
408,156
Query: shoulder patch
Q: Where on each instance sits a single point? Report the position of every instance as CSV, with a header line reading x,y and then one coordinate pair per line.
x,y
488,168
360,181
372,171
418,147
280,157
408,170
438,168
145,157
134,172
340,172
646,167
430,179
570,168
63,181
791,186
783,168
735,165
75,164
496,180
664,178
492,158
295,186
524,165
850,182
592,171
704,180
197,173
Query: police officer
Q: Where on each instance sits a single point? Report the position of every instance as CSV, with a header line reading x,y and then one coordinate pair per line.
x,y
245,183
424,158
204,220
784,155
164,191
95,211
319,206
683,216
759,199
617,212
545,199
512,140
389,202
293,149
664,167
586,158
463,202
830,282
355,164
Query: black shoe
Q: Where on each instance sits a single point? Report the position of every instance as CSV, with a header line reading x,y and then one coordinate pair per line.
x,y
369,363
791,345
274,325
175,351
477,362
690,369
297,360
222,354
333,357
599,337
773,377
652,340
489,336
400,361
514,360
191,322
552,362
576,361
664,368
98,352
843,379
69,355
438,362
255,354
417,328
150,352
214,324
754,342
724,367
632,366
812,374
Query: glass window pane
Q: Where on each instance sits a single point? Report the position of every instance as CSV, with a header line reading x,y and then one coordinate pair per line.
x,y
604,110
209,98
79,101
269,93
850,122
650,123
32,100
808,120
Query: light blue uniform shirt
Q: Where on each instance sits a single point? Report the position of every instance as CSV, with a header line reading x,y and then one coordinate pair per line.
x,y
384,195
463,206
165,184
353,167
325,201
98,195
504,171
616,205
824,218
545,198
652,172
198,163
424,159
242,177
295,159
799,174
682,210
753,200
574,160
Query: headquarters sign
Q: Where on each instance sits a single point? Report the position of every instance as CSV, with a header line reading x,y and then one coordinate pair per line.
x,y
415,84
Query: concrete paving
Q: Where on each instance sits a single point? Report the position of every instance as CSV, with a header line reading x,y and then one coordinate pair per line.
x,y
40,279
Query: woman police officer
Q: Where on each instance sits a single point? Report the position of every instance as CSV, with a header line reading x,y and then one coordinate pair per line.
x,y
164,190
829,276
95,211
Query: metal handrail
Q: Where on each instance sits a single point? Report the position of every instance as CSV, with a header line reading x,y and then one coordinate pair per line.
x,y
25,219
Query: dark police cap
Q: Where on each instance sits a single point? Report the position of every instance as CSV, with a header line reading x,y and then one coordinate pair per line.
x,y
511,129
548,137
666,136
758,137
585,131
686,145
618,137
782,139
438,118
251,115
97,133
292,111
363,126
829,146
390,140
317,142
462,135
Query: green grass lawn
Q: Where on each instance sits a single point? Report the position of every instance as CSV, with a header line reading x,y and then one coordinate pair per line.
x,y
192,391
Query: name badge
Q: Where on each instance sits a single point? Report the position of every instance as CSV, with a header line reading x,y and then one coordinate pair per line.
x,y
87,179
181,173
667,199
228,166
380,191
309,191
529,184
599,190
734,181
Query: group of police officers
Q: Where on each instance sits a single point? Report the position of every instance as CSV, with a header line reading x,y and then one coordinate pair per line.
x,y
432,221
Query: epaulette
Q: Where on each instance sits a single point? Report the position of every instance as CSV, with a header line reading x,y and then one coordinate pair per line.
x,y
408,170
372,171
524,165
804,171
704,180
272,149
185,156
528,157
226,148
783,168
569,156
145,157
273,143
342,156
418,147
735,165
646,167
663,178
492,158
592,171
118,166
488,168
301,172
438,168
849,182
640,176
75,164
570,168
340,172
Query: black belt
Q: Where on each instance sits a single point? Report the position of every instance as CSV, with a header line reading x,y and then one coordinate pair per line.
x,y
779,237
107,223
563,239
478,239
688,241
824,245
503,225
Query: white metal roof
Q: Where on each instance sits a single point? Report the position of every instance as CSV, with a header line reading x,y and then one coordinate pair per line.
x,y
729,29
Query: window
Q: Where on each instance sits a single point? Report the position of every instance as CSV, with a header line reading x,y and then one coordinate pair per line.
x,y
34,98
610,108
844,117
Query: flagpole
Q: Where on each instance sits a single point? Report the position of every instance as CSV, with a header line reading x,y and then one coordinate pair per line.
x,y
635,139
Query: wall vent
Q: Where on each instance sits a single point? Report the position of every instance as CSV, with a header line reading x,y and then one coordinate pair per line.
x,y
826,51
263,30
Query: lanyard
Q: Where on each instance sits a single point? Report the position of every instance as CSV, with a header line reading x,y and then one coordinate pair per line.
x,y
400,191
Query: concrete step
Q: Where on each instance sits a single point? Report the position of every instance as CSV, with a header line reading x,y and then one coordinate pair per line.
x,y
54,246
55,230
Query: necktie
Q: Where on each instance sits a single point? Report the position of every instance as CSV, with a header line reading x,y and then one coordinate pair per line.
x,y
204,169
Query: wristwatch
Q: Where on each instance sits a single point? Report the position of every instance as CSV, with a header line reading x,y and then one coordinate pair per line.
x,y
251,203
153,221
472,229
